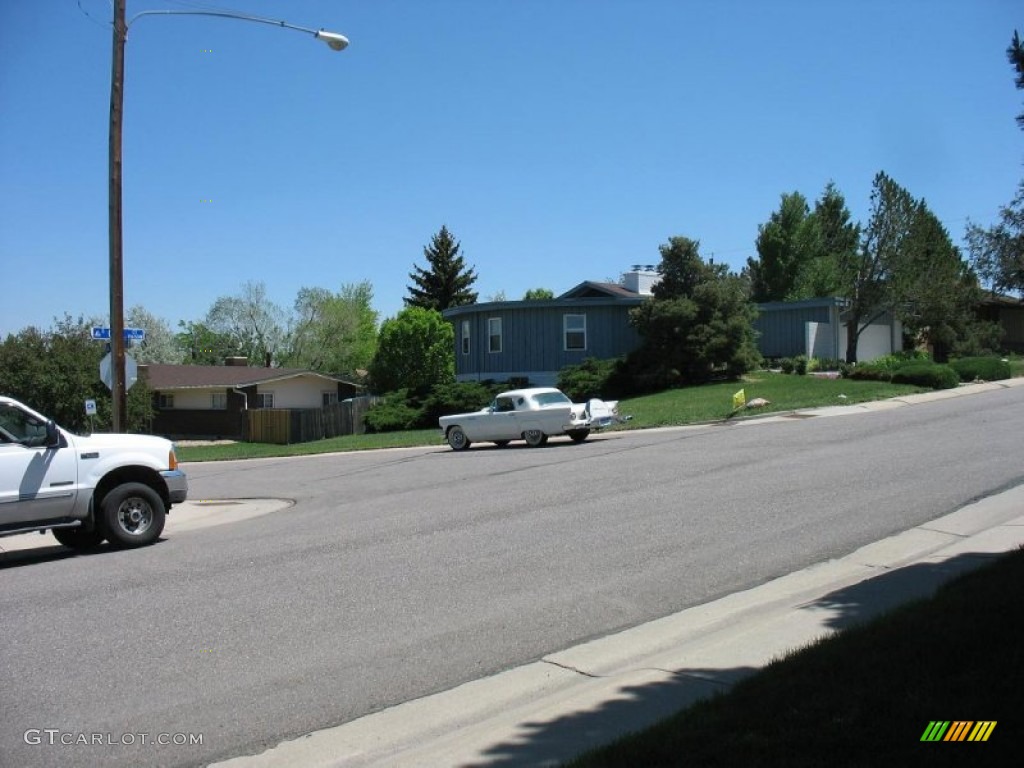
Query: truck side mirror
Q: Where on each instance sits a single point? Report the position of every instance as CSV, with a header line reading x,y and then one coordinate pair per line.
x,y
52,434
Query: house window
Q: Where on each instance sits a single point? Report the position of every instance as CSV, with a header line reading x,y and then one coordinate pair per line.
x,y
465,337
264,399
165,402
218,401
574,331
494,334
329,398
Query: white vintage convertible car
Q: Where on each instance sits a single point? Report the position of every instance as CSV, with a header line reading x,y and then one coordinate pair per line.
x,y
532,415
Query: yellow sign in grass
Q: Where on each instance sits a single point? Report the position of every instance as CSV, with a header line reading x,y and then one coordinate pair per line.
x,y
739,400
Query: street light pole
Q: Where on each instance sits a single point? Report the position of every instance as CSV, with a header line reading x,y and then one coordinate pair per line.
x,y
118,388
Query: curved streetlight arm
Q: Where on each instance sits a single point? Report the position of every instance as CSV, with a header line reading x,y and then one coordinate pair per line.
x,y
333,39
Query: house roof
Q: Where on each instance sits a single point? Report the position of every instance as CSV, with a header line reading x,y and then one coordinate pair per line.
x,y
589,288
163,377
1001,300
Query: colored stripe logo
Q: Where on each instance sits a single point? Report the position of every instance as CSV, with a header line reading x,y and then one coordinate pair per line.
x,y
958,730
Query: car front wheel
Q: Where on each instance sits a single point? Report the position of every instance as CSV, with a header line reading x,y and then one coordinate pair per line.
x,y
579,435
133,515
534,438
457,439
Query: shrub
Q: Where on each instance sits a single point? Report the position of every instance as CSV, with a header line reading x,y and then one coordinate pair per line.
x,y
787,365
827,364
392,413
926,374
591,378
984,368
457,397
800,365
867,371
897,359
923,373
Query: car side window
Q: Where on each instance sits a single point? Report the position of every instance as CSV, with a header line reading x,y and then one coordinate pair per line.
x,y
504,405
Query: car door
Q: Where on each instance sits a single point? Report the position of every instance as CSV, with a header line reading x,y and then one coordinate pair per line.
x,y
36,482
502,422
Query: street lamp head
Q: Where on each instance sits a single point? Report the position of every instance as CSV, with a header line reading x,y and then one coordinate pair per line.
x,y
333,39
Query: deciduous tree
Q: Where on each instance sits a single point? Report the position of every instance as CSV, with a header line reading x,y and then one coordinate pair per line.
x,y
201,345
333,332
160,345
415,350
55,371
252,321
538,294
869,275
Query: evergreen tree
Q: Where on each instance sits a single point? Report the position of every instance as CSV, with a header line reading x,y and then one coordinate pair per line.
x,y
997,252
448,280
697,326
939,292
1015,54
832,239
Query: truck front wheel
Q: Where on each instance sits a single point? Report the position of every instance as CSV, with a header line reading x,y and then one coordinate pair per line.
x,y
78,539
132,515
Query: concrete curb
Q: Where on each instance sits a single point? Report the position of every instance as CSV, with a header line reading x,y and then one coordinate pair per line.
x,y
553,709
187,516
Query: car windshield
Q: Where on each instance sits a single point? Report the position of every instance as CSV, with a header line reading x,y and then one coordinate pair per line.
x,y
551,398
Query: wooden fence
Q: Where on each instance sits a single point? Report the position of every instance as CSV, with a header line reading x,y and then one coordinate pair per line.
x,y
302,425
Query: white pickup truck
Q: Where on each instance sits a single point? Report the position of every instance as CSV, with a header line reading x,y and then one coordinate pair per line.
x,y
84,489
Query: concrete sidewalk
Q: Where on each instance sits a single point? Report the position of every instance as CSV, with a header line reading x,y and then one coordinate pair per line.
x,y
553,709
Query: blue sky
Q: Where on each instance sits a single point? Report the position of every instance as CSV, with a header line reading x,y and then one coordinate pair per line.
x,y
558,141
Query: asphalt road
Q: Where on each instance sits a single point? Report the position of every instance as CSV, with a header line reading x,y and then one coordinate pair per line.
x,y
401,573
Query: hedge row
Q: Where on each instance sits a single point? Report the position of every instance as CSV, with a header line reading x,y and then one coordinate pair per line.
x,y
983,368
925,373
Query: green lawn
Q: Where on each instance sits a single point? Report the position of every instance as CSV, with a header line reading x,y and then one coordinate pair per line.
x,y
1016,365
690,405
785,392
865,696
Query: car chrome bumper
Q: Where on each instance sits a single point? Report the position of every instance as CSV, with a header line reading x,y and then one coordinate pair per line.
x,y
177,485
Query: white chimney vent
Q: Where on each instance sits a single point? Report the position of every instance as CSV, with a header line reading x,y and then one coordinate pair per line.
x,y
640,279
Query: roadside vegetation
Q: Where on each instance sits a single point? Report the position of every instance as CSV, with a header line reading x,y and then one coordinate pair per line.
x,y
689,405
865,695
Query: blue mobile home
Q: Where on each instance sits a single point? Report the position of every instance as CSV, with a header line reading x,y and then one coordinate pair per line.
x,y
534,340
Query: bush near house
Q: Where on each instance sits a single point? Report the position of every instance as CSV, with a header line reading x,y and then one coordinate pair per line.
x,y
393,413
591,378
420,408
983,368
